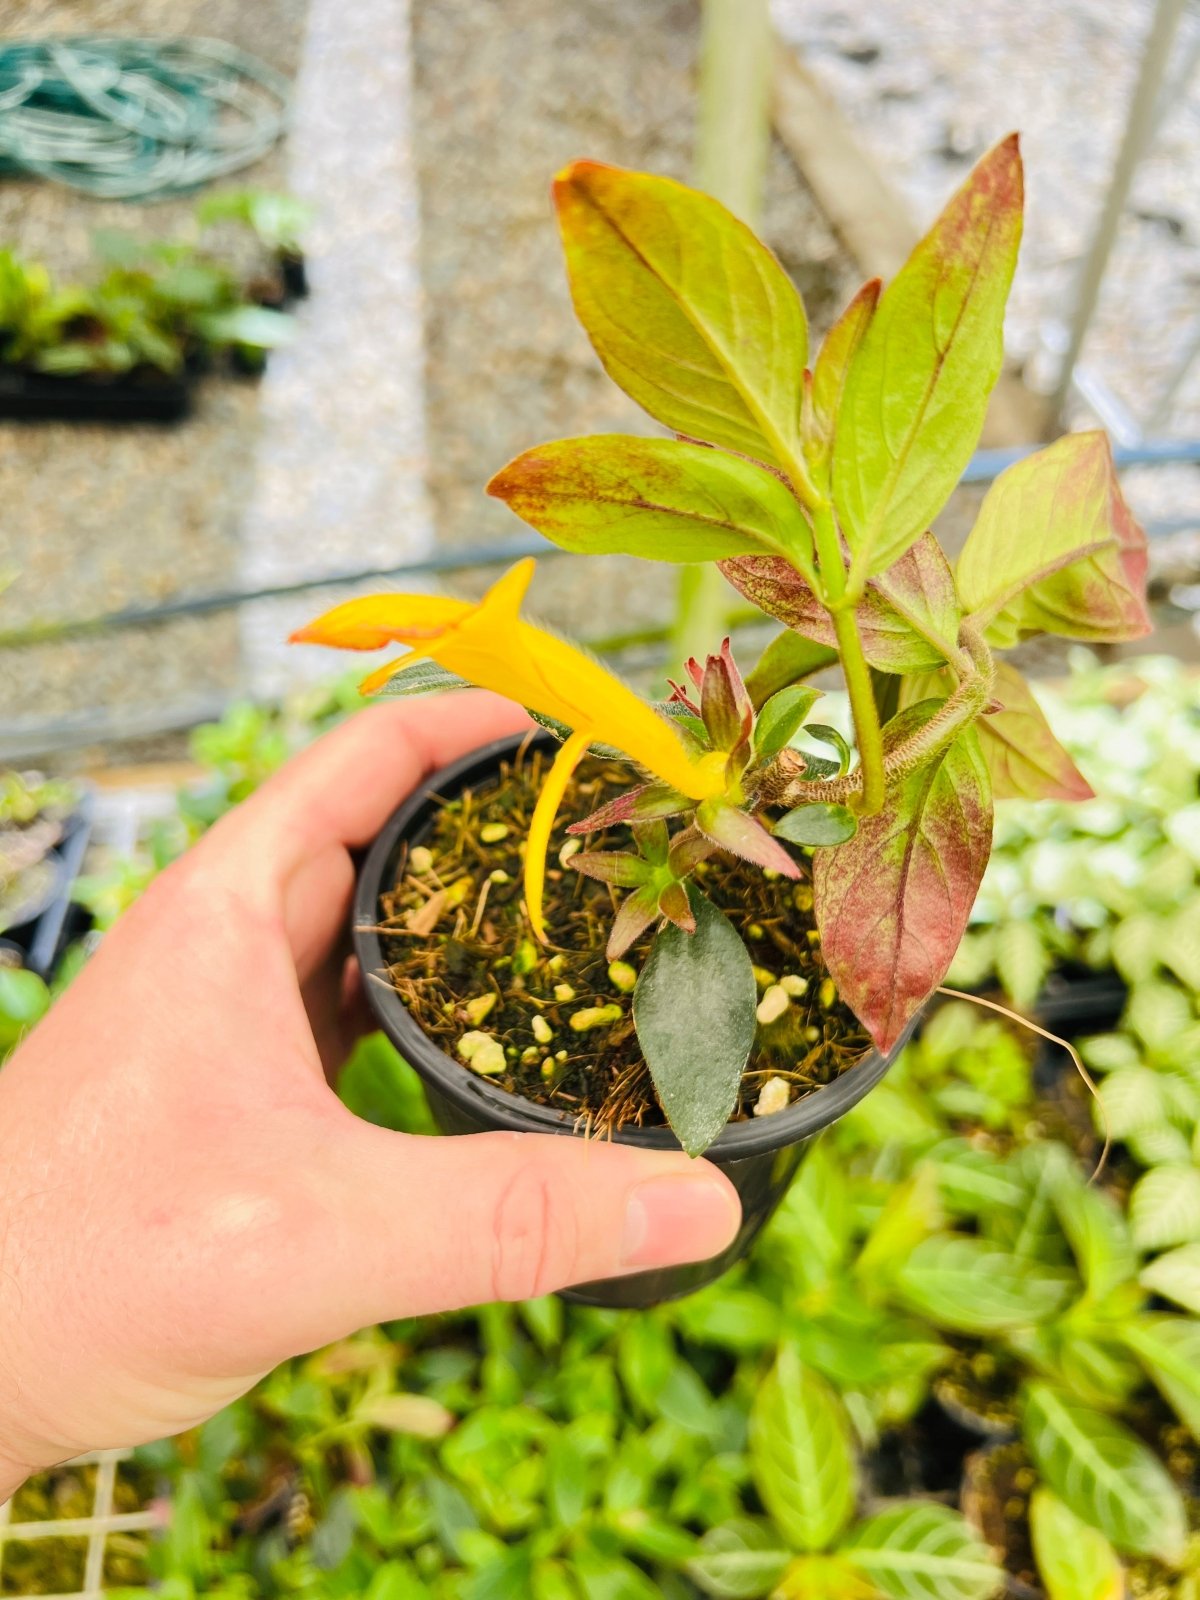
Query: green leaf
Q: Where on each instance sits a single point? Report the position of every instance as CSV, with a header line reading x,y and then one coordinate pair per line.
x,y
379,1086
694,1008
1096,1230
831,369
1056,549
801,1454
786,660
1176,1276
739,1560
824,734
923,1551
423,677
1105,1474
892,903
255,326
1164,1207
918,388
1169,1349
821,823
967,1285
908,618
780,718
1074,1561
24,999
690,314
662,499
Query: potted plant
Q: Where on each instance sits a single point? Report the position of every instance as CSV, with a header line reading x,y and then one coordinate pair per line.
x,y
726,945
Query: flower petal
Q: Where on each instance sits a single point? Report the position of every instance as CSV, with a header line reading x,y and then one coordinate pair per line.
x,y
374,620
542,821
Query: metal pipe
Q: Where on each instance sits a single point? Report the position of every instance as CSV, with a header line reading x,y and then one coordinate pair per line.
x,y
1138,126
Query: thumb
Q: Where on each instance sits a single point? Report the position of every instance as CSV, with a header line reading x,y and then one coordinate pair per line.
x,y
413,1225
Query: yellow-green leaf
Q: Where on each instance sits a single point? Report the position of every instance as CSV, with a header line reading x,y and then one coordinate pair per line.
x,y
690,314
918,388
832,368
1056,549
1075,1561
663,499
801,1454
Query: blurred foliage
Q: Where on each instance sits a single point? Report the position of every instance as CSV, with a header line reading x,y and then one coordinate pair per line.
x,y
154,304
941,1275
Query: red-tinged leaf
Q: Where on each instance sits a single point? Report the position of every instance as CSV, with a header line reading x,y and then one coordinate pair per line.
x,y
892,903
918,387
653,840
621,868
688,850
724,704
636,913
734,830
674,904
662,499
908,619
690,314
1057,550
1025,760
833,366
643,804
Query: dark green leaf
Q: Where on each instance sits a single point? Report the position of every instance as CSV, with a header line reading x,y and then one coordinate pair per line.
x,y
819,824
780,718
788,658
694,1007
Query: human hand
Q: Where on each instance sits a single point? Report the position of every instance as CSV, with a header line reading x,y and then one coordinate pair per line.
x,y
184,1202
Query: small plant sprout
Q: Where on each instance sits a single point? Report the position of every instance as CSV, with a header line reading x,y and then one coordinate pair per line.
x,y
812,483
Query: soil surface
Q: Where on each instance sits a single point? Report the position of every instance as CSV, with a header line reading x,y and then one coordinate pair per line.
x,y
465,963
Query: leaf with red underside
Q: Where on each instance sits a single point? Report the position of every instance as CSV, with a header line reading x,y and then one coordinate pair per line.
x,y
892,903
832,368
918,387
621,868
734,830
674,904
908,619
1057,550
1025,760
644,804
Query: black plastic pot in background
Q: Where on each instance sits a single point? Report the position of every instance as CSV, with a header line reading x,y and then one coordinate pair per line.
x,y
1076,1002
759,1156
42,937
294,272
130,397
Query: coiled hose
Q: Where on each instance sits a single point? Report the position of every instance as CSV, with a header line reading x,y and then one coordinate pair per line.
x,y
135,118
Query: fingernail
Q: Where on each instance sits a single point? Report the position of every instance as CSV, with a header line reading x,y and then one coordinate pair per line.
x,y
669,1220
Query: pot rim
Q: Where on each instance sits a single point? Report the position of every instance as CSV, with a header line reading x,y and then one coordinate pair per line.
x,y
513,1112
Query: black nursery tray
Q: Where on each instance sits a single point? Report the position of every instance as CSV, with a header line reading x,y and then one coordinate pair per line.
x,y
47,397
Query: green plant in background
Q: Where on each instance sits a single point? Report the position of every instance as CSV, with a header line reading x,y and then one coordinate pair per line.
x,y
278,221
33,810
935,1241
813,1547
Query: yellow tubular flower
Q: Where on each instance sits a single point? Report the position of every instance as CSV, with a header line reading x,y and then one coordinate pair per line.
x,y
491,646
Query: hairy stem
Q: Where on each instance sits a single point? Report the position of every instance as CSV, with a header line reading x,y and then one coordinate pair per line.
x,y
869,792
964,706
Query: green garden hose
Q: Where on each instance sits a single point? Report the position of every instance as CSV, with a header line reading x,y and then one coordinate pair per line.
x,y
135,119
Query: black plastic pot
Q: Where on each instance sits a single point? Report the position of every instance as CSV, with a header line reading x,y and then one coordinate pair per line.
x,y
760,1156
131,397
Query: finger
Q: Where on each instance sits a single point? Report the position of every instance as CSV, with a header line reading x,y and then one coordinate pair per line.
x,y
407,1225
342,789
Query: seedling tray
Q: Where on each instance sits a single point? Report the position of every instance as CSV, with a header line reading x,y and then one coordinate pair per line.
x,y
46,397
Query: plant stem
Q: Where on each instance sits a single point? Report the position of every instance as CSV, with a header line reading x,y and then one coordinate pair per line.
x,y
963,707
867,732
